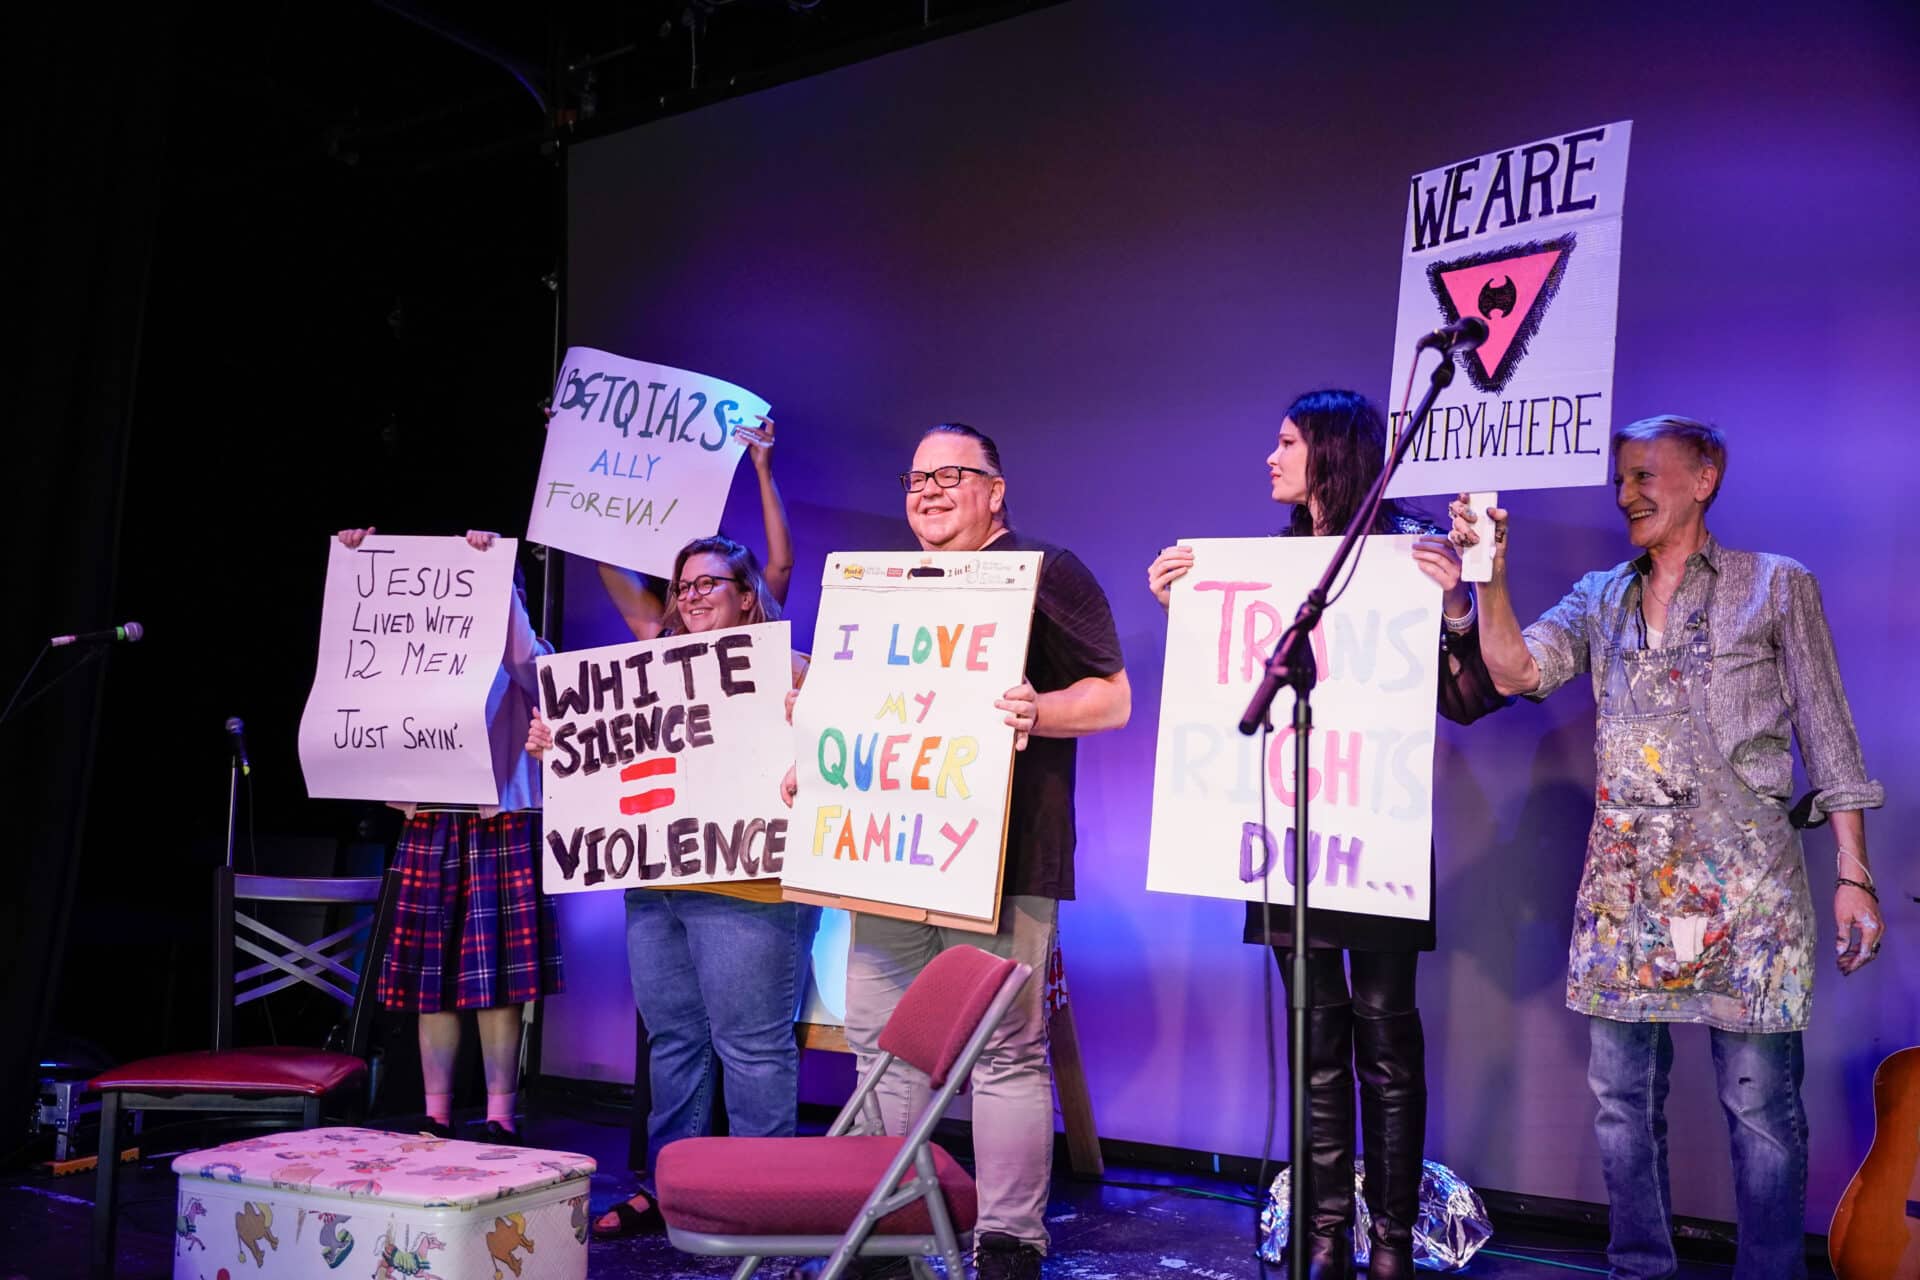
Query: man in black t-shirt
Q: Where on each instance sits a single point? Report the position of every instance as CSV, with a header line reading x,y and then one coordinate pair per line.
x,y
1075,684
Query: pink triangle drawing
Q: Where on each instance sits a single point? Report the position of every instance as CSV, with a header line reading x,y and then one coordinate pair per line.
x,y
1502,292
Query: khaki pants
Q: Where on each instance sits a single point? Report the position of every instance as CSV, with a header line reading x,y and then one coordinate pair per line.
x,y
1012,1084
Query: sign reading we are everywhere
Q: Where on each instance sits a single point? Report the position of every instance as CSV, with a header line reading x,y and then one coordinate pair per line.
x,y
1527,240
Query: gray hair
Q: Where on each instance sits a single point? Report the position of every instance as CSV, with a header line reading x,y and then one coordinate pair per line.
x,y
1708,442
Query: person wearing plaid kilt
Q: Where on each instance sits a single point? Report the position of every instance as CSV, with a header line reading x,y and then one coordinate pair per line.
x,y
471,929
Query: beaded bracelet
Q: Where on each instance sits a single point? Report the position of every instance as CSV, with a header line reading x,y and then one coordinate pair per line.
x,y
1867,889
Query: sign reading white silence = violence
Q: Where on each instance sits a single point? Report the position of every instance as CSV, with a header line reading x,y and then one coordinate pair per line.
x,y
1370,774
1527,240
904,763
412,633
667,759
638,461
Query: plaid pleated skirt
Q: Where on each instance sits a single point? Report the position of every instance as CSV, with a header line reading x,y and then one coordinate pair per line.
x,y
471,929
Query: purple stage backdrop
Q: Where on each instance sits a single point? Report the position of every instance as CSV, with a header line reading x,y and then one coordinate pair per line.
x,y
1120,237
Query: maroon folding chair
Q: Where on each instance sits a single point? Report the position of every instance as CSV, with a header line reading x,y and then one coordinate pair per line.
x,y
844,1196
272,1081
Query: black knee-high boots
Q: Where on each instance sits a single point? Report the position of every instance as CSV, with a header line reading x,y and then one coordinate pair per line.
x,y
1391,1057
1330,1158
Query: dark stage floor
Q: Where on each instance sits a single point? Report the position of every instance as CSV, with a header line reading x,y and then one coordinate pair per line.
x,y
1163,1226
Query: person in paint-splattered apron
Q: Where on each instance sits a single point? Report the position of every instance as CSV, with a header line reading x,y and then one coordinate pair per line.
x,y
1694,904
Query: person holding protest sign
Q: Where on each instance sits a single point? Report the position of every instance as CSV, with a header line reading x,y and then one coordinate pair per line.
x,y
1075,685
1693,904
1331,447
643,608
471,929
717,969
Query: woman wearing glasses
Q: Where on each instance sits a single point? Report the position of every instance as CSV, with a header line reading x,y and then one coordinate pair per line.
x,y
717,969
1330,449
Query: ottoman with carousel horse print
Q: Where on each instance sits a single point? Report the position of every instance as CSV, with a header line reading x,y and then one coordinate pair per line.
x,y
392,1206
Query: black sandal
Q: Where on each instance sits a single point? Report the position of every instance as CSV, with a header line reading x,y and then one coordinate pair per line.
x,y
632,1221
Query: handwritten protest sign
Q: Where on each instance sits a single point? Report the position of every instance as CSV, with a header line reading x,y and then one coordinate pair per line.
x,y
904,762
411,636
638,461
667,759
1528,240
1370,778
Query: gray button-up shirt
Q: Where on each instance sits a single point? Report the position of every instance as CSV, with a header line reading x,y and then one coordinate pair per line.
x,y
1774,669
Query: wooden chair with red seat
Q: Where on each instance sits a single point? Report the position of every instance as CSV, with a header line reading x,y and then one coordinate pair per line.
x,y
844,1196
276,1080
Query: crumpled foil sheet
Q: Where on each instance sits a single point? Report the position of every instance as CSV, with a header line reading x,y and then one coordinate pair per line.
x,y
1452,1226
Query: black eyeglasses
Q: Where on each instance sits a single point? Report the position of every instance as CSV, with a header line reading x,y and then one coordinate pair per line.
x,y
701,586
945,477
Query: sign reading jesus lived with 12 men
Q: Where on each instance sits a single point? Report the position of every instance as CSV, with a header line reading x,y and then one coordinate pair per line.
x,y
412,632
666,761
411,640
904,763
1526,239
1370,763
638,460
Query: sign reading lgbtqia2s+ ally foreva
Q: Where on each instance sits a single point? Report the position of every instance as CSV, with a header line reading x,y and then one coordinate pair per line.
x,y
638,460
667,759
412,632
1528,240
1370,778
903,761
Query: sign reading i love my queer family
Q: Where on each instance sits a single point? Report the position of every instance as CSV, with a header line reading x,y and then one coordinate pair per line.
x,y
638,461
903,760
1527,240
1370,775
667,759
411,636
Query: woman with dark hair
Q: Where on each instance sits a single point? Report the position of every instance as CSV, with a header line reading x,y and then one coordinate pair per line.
x,y
717,969
1332,445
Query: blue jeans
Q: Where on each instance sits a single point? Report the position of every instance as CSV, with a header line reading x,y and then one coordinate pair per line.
x,y
718,975
1759,1085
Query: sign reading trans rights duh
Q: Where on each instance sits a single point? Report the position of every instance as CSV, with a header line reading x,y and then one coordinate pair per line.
x,y
1527,239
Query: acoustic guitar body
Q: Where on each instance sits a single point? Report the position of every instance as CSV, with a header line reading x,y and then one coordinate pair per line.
x,y
1876,1229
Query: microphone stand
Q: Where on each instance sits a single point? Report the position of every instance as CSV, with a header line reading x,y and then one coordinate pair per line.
x,y
1291,665
233,801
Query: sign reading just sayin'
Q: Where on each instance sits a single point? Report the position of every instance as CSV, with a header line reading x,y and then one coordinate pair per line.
x,y
1527,240
667,759
904,762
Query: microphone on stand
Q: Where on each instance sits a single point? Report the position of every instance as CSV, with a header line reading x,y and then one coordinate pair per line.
x,y
1463,334
127,634
237,734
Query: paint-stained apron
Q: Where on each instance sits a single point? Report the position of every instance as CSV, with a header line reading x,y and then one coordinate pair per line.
x,y
1693,905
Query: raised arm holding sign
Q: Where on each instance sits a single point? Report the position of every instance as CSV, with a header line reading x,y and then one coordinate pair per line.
x,y
1706,663
643,605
